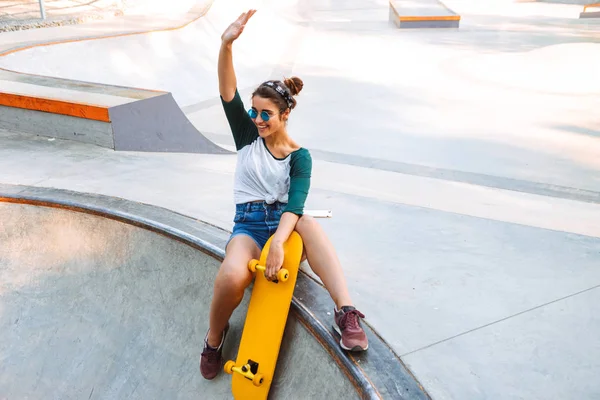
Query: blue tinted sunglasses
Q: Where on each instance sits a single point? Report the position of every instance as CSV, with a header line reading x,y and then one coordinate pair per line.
x,y
263,114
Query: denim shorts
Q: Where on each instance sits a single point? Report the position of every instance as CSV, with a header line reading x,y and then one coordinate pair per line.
x,y
258,220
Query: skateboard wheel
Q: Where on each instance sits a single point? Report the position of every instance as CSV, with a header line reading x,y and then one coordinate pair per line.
x,y
252,265
229,367
257,380
283,275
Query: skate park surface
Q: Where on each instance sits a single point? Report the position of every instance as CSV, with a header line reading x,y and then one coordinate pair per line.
x,y
107,298
469,227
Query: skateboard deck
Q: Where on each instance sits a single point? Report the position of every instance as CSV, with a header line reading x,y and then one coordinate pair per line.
x,y
253,370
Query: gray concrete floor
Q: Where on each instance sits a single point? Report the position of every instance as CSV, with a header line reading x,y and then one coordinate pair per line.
x,y
462,168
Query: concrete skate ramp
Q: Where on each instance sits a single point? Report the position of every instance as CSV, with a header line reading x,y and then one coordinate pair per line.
x,y
94,308
125,119
102,298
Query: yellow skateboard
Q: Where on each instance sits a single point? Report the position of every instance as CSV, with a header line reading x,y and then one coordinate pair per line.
x,y
265,322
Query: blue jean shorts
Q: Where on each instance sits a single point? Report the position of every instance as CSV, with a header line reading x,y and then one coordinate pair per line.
x,y
258,220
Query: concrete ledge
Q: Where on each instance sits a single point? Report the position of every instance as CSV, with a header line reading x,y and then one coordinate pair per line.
x,y
154,124
591,14
40,84
58,126
79,110
422,14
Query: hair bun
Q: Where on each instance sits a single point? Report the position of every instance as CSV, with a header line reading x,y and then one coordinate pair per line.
x,y
295,85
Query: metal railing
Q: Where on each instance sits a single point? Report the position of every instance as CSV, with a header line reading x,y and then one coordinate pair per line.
x,y
42,9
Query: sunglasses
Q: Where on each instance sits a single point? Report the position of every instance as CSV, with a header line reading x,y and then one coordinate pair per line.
x,y
263,114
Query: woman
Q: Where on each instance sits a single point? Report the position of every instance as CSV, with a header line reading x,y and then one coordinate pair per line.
x,y
271,183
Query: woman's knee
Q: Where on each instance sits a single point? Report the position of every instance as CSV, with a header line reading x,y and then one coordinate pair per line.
x,y
232,278
306,223
234,275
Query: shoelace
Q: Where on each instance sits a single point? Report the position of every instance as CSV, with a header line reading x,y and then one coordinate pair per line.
x,y
350,319
211,355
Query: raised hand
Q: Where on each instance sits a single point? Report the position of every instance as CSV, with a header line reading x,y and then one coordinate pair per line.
x,y
234,30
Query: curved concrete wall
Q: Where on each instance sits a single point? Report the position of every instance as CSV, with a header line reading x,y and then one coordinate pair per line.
x,y
100,309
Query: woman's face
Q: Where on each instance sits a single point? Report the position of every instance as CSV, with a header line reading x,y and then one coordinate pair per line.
x,y
276,120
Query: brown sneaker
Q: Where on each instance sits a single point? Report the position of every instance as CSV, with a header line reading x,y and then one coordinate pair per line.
x,y
347,325
211,361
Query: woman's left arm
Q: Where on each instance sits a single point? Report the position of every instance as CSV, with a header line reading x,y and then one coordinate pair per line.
x,y
300,173
284,230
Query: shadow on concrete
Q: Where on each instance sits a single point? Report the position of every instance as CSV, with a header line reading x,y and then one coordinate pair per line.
x,y
392,128
579,130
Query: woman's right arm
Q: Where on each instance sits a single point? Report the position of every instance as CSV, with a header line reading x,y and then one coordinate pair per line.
x,y
227,79
243,129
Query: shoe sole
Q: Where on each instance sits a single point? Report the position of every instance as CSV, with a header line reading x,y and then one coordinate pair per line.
x,y
355,348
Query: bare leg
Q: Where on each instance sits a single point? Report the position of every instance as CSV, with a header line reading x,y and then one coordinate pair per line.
x,y
323,260
231,281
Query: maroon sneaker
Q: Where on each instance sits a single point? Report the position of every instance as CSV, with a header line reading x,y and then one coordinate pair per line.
x,y
211,361
347,325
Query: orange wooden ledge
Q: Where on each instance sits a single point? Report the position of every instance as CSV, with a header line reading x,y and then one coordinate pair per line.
x,y
431,18
590,6
79,110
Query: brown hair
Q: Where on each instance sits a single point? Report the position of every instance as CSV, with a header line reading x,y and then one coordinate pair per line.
x,y
292,85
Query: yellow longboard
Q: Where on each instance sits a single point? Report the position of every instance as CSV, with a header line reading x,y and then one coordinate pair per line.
x,y
267,315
